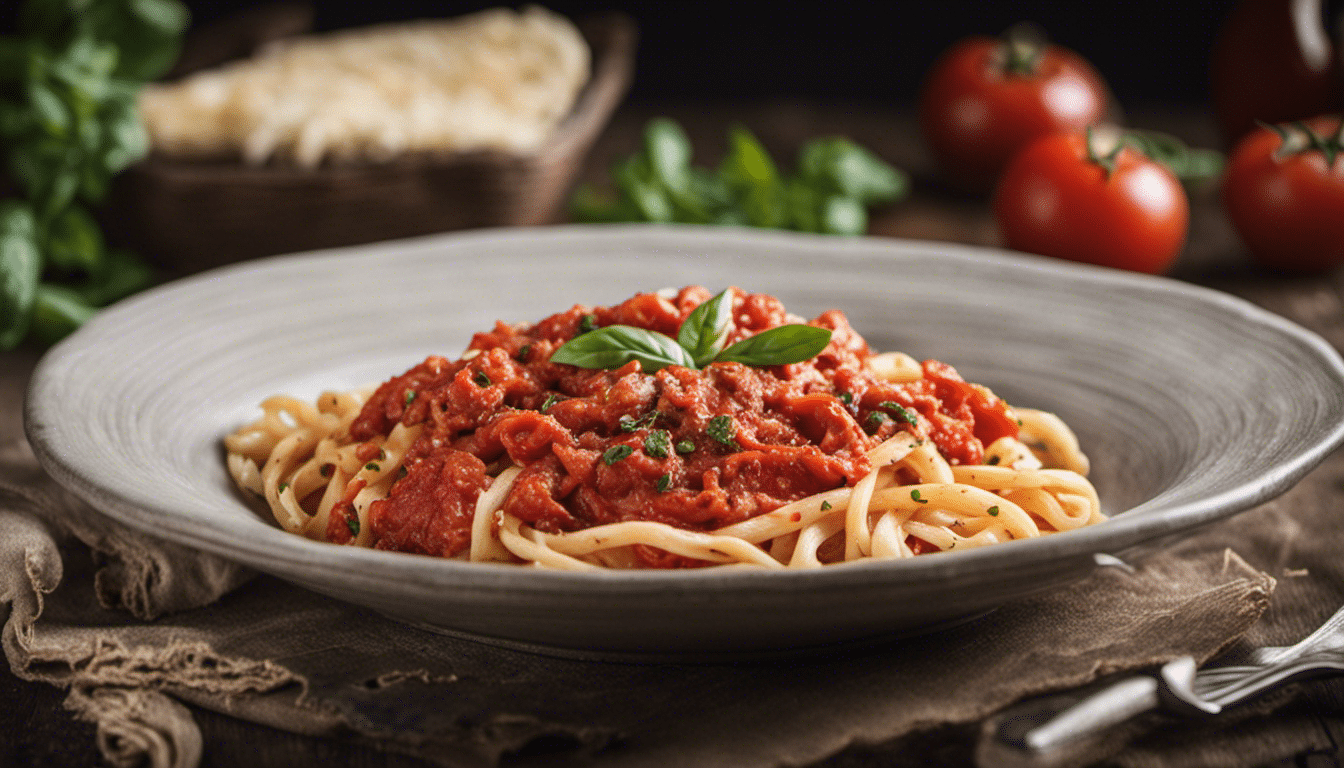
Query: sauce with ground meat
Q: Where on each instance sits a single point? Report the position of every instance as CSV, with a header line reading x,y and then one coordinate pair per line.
x,y
796,429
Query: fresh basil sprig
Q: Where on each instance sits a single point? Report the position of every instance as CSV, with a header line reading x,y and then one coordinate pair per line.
x,y
68,124
834,183
699,342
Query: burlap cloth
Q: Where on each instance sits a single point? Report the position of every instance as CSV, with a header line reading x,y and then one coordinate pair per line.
x,y
133,627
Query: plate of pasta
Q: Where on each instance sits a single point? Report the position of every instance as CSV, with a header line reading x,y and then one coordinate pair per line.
x,y
643,439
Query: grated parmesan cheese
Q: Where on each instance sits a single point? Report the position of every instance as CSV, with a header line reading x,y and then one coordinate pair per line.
x,y
496,80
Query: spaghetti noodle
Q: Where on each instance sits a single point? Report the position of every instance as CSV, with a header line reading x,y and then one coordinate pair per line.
x,y
503,456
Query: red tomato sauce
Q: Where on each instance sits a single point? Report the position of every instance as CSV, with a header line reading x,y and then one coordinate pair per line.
x,y
797,429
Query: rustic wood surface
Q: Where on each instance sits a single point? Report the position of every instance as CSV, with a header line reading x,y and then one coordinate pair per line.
x,y
35,730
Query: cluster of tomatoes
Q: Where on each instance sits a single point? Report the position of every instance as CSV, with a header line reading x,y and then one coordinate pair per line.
x,y
1029,120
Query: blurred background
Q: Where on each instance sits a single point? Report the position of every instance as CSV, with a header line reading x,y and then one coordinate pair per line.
x,y
1150,51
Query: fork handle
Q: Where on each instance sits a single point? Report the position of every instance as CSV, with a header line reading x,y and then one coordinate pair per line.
x,y
1094,713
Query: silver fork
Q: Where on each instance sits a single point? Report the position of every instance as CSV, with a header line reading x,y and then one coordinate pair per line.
x,y
1179,688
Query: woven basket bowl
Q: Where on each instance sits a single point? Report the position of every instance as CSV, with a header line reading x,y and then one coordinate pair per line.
x,y
193,215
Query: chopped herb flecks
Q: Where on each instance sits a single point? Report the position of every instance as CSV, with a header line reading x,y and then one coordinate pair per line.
x,y
825,506
664,482
615,453
915,495
372,466
551,399
722,429
846,398
410,397
899,411
658,443
630,424
588,323
685,446
993,511
352,522
481,379
522,353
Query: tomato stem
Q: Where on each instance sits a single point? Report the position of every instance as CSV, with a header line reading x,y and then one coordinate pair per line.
x,y
1023,44
1106,161
1330,147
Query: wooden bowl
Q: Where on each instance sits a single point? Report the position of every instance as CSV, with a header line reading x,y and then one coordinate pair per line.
x,y
189,215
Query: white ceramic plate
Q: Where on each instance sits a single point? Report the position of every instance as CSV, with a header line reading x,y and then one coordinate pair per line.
x,y
1192,405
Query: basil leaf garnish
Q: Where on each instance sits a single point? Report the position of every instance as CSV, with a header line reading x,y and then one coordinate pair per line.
x,y
705,331
615,345
778,346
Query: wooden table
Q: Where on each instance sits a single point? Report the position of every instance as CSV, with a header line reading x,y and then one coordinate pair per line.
x,y
35,730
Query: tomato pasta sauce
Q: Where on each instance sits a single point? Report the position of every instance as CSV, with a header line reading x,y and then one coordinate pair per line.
x,y
693,449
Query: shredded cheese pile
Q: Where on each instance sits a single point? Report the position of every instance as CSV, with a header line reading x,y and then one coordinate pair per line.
x,y
495,80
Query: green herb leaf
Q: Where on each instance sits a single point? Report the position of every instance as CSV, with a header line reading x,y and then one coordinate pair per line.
x,y
993,511
615,345
658,443
664,482
778,346
587,323
551,399
74,242
825,506
900,412
722,429
705,330
373,467
685,446
20,268
629,424
58,311
352,523
669,152
615,453
839,166
481,379
410,397
915,496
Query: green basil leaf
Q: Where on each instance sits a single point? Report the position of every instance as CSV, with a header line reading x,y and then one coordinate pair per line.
x,y
840,166
843,216
51,111
747,164
705,331
20,266
121,274
778,346
668,151
749,170
635,180
615,345
74,242
57,311
164,16
124,138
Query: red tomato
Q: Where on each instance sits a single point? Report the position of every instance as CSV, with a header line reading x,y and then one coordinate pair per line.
x,y
977,110
1056,198
1287,202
